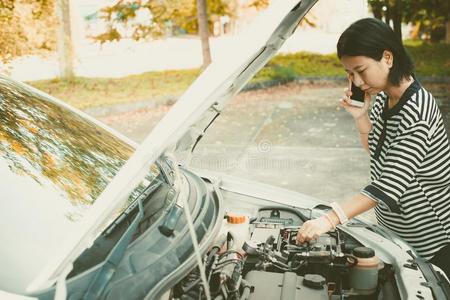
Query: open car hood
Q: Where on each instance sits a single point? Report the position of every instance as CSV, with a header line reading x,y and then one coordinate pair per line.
x,y
184,125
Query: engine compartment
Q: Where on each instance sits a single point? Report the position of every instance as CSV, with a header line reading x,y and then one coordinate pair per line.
x,y
260,259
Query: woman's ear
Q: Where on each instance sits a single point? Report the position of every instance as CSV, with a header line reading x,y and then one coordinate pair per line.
x,y
388,57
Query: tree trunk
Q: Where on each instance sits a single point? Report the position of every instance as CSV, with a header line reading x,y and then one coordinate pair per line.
x,y
65,46
447,34
203,31
387,13
396,14
377,12
377,7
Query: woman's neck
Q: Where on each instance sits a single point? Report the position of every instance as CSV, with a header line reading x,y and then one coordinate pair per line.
x,y
396,92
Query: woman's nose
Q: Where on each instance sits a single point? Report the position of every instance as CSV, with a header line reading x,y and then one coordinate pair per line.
x,y
357,80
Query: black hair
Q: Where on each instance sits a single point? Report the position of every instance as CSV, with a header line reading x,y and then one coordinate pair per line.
x,y
370,37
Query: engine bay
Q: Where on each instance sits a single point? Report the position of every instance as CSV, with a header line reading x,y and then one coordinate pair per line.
x,y
258,258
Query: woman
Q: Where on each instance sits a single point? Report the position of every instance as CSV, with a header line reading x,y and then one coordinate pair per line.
x,y
407,142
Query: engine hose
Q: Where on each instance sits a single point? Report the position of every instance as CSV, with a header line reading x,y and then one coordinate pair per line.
x,y
217,246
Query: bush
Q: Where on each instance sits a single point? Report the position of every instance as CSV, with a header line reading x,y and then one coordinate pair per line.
x,y
431,59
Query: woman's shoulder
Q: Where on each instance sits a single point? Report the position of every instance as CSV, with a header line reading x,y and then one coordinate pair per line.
x,y
423,104
423,97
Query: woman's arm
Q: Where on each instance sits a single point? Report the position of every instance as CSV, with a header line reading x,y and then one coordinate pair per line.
x,y
312,229
364,126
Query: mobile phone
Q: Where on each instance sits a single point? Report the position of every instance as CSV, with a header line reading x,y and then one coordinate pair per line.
x,y
357,98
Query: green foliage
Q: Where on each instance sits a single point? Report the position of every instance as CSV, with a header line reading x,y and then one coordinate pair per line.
x,y
430,59
26,27
286,67
430,16
259,4
162,15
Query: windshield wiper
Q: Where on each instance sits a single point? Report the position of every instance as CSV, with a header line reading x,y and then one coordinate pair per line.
x,y
104,275
124,215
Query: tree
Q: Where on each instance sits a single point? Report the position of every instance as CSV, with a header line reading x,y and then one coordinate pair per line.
x,y
30,27
151,19
26,27
65,46
431,17
391,10
203,31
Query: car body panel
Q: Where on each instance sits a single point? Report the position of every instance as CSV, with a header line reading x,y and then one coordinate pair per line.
x,y
199,106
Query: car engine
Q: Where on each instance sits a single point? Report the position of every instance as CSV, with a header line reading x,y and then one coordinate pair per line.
x,y
269,264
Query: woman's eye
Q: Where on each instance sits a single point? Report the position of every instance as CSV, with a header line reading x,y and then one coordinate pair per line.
x,y
361,71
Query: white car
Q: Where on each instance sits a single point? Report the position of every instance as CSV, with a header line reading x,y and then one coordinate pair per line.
x,y
88,214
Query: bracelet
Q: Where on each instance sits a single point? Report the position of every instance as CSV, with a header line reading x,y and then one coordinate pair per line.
x,y
339,212
364,132
329,220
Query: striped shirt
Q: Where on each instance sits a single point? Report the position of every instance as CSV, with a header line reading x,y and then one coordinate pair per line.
x,y
410,169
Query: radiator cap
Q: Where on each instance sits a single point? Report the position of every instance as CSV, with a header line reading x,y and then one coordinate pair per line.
x,y
314,281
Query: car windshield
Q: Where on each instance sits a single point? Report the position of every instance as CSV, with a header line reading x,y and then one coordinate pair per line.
x,y
53,165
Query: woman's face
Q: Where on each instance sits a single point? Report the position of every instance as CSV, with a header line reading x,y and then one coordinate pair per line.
x,y
368,74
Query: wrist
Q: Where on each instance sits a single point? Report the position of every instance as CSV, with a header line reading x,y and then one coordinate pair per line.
x,y
363,124
337,209
326,224
365,132
330,221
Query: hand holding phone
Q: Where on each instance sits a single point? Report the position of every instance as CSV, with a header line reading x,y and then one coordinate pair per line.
x,y
357,97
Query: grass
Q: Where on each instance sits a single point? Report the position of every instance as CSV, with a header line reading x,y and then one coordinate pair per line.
x,y
93,92
430,60
289,66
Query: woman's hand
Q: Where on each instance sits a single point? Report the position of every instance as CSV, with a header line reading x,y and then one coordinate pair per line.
x,y
312,229
356,112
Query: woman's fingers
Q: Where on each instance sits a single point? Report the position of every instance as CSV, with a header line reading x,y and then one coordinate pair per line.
x,y
346,101
348,92
302,234
307,237
308,232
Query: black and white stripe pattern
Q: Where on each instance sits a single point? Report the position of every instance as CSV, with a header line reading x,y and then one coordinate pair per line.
x,y
410,169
